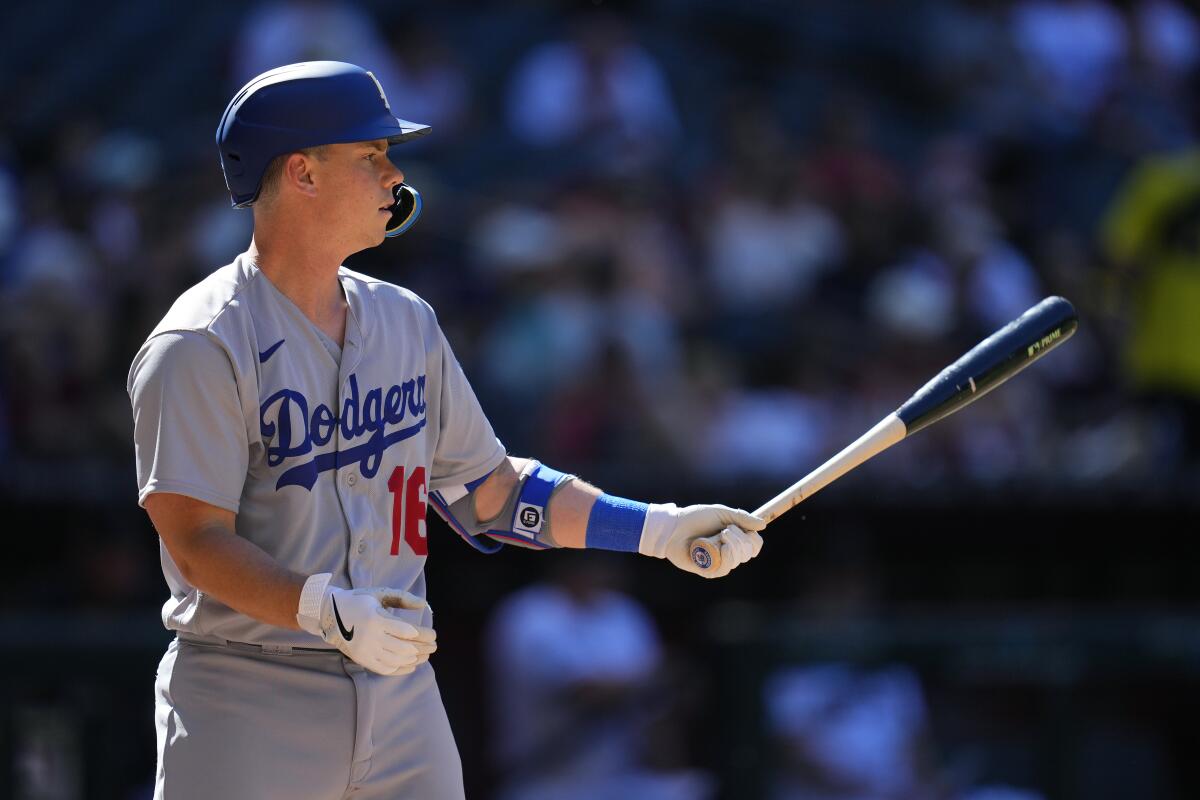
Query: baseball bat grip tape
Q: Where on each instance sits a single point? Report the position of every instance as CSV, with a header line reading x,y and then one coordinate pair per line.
x,y
706,551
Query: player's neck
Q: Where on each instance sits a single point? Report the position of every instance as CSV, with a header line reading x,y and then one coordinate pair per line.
x,y
308,278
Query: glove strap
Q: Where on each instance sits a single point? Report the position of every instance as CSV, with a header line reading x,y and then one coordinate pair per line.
x,y
615,524
311,598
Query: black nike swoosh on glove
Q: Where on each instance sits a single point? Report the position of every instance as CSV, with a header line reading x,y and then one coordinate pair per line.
x,y
346,634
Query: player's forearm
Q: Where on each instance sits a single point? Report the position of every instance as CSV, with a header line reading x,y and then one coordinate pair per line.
x,y
240,574
570,508
535,506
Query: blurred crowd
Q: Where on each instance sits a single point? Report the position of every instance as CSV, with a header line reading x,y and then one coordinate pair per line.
x,y
675,242
686,239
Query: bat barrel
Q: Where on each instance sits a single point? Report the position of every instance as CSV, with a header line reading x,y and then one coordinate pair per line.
x,y
991,362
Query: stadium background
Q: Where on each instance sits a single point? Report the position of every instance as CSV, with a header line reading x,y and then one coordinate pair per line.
x,y
788,217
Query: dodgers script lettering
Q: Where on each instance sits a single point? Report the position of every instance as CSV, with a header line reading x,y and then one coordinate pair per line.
x,y
361,414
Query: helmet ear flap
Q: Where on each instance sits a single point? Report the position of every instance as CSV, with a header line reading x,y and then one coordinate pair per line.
x,y
405,210
233,164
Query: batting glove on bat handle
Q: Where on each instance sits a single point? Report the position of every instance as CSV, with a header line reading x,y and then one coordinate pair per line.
x,y
358,622
684,536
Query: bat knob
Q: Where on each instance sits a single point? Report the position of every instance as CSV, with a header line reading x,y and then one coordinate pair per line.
x,y
701,557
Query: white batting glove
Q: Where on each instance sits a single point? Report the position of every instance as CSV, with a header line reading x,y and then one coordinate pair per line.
x,y
358,622
670,530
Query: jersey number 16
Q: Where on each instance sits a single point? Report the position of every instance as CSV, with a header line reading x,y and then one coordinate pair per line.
x,y
408,510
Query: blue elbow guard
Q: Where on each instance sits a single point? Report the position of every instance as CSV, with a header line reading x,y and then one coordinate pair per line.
x,y
529,525
523,521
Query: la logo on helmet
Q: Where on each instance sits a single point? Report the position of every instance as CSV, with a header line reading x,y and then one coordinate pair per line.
x,y
379,86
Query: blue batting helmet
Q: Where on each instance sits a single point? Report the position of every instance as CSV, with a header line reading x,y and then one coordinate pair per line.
x,y
304,105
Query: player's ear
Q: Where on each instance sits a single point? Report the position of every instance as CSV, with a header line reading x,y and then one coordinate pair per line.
x,y
298,174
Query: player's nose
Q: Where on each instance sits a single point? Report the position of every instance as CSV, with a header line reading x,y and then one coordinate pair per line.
x,y
393,178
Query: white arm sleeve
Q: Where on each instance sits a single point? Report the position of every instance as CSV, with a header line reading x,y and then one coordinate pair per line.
x,y
189,431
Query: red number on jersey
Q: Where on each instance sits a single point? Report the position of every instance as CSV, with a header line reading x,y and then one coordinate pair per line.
x,y
408,510
414,513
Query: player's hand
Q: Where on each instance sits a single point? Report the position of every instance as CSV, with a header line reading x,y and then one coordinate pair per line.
x,y
359,623
670,530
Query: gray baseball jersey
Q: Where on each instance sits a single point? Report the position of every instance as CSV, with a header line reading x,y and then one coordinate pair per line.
x,y
326,454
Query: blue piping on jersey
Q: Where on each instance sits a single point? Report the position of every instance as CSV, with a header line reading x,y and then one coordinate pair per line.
x,y
475,484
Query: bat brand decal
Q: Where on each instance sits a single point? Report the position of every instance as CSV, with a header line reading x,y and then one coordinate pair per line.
x,y
1042,343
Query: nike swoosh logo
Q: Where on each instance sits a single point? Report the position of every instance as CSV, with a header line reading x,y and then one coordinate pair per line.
x,y
270,351
346,634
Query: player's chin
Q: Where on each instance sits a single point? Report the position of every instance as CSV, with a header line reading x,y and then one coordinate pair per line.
x,y
377,233
369,239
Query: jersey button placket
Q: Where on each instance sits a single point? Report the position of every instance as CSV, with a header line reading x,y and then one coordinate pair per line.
x,y
358,568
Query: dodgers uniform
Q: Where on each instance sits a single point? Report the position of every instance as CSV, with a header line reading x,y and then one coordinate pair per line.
x,y
327,456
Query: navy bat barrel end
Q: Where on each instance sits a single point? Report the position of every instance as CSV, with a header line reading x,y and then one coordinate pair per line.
x,y
1054,309
991,362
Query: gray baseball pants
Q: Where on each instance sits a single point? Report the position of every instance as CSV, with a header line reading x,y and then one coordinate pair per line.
x,y
234,722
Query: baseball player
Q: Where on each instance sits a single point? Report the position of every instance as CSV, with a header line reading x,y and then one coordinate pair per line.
x,y
293,422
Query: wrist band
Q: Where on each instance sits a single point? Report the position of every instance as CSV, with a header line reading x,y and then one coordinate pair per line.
x,y
308,615
615,524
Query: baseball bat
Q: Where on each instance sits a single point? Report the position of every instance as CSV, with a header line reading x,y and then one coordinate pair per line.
x,y
987,365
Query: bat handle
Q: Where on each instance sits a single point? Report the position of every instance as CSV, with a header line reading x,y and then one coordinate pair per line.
x,y
705,553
